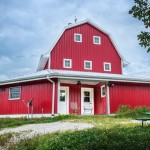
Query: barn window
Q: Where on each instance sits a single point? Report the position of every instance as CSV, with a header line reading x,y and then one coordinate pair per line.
x,y
14,92
103,91
96,40
88,65
77,37
107,66
67,63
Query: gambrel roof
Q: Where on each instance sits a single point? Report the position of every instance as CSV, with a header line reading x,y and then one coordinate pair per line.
x,y
44,58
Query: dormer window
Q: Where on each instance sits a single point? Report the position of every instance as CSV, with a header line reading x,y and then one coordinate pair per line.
x,y
67,63
107,66
96,40
88,65
77,37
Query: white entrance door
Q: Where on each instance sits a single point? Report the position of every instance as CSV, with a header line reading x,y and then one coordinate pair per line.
x,y
63,100
87,101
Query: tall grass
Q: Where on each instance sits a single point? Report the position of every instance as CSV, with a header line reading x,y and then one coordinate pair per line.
x,y
5,138
128,138
127,111
14,122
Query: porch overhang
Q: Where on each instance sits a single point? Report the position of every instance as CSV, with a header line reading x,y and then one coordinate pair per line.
x,y
76,75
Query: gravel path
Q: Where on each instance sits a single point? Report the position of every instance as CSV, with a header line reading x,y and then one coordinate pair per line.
x,y
29,131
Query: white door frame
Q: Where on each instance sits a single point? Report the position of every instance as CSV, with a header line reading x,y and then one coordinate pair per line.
x,y
67,98
91,96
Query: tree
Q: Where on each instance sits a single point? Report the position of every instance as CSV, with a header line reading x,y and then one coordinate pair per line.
x,y
141,11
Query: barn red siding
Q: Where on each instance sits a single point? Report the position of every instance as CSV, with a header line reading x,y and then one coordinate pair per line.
x,y
86,50
100,103
132,94
41,92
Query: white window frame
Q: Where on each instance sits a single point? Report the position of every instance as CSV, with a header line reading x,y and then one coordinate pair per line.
x,y
10,93
70,63
107,63
98,38
75,37
86,61
103,87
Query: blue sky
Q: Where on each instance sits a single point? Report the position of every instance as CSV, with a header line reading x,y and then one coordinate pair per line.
x,y
29,28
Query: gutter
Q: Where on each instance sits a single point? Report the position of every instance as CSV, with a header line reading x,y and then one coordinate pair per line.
x,y
53,95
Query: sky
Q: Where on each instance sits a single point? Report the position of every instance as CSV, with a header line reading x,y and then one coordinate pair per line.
x,y
28,28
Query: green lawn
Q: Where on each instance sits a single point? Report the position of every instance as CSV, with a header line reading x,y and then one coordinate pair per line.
x,y
109,132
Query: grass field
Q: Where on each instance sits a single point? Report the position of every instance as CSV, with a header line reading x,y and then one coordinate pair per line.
x,y
109,132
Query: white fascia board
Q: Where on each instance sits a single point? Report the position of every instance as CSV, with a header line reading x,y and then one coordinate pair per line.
x,y
99,79
22,80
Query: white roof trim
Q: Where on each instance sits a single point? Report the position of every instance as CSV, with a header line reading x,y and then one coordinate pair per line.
x,y
66,74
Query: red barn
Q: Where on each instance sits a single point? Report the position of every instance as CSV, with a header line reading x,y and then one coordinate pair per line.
x,y
81,74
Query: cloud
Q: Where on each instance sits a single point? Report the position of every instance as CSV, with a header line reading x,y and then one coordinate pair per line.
x,y
5,60
30,27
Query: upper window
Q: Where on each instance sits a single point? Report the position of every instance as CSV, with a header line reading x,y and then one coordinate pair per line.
x,y
96,40
77,37
67,63
88,65
14,92
103,91
107,66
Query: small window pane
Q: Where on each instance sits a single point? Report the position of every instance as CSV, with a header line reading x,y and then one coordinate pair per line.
x,y
97,40
86,99
87,65
78,37
103,91
86,93
67,63
14,93
62,95
107,67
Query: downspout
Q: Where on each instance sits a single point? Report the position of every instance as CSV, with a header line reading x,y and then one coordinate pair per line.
x,y
53,94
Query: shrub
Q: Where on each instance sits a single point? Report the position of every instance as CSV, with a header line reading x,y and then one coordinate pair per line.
x,y
127,111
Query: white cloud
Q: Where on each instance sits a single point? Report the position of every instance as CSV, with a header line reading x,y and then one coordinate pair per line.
x,y
4,60
29,29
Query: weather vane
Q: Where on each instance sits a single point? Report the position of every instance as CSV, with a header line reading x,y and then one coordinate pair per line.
x,y
75,19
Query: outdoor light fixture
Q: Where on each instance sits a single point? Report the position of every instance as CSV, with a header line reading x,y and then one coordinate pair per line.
x,y
110,84
78,83
2,90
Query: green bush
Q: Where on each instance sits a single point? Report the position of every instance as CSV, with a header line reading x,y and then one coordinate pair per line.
x,y
127,111
91,139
